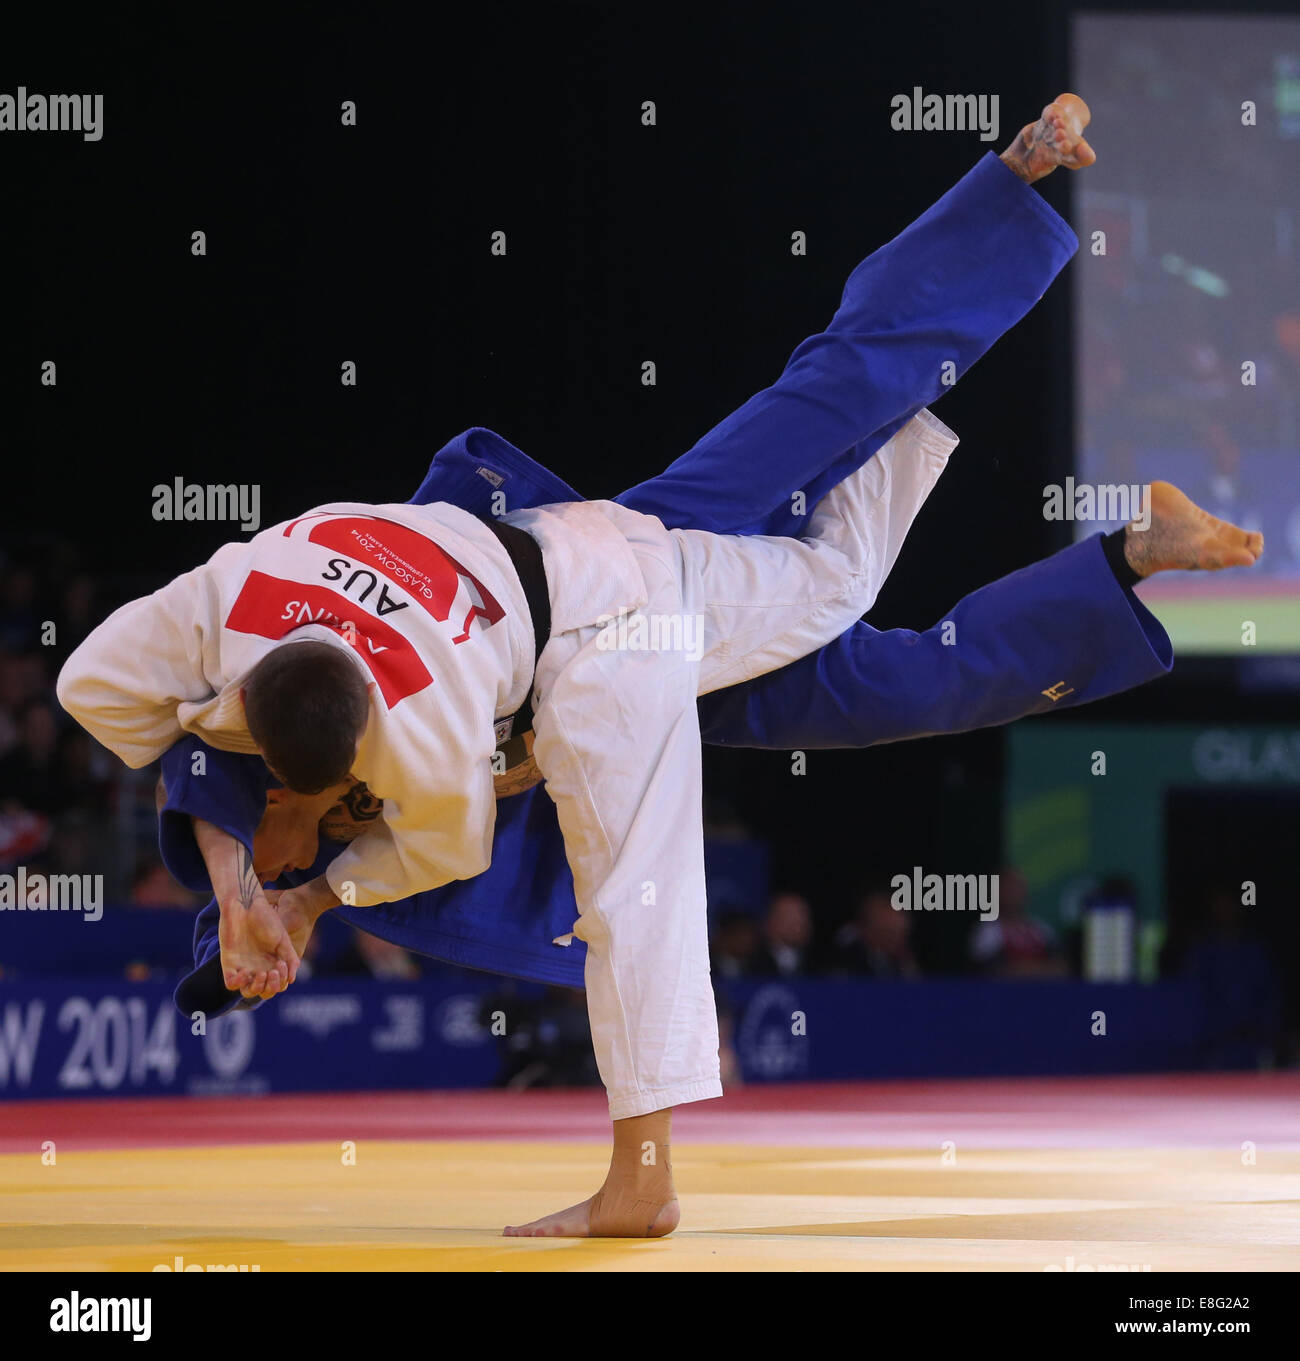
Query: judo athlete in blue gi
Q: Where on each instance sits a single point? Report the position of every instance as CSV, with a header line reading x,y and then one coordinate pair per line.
x,y
1063,632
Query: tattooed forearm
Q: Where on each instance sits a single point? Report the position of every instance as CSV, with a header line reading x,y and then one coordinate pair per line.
x,y
249,884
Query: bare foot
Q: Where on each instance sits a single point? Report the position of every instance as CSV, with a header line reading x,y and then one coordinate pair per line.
x,y
1183,537
606,1216
1056,139
638,1199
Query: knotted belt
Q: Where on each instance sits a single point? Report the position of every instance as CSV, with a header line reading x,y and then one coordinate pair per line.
x,y
514,769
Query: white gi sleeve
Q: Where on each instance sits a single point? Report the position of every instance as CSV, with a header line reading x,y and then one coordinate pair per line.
x,y
124,682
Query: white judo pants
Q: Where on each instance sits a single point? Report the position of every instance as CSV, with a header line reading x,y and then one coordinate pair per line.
x,y
617,739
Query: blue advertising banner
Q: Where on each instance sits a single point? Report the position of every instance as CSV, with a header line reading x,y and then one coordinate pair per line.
x,y
96,1037
827,1030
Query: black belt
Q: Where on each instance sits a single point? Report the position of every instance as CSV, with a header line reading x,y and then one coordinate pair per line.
x,y
526,557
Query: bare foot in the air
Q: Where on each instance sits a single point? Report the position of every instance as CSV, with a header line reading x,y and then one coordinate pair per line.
x,y
1056,139
607,1215
1183,537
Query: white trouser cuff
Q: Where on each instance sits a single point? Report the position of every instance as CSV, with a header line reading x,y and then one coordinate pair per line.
x,y
643,1102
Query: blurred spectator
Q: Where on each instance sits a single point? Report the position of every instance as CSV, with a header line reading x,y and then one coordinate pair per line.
x,y
79,612
877,942
30,774
546,1041
728,1059
785,948
23,678
153,886
80,844
1016,945
734,944
59,800
383,959
19,620
1242,995
1103,944
13,694
24,836
85,772
367,954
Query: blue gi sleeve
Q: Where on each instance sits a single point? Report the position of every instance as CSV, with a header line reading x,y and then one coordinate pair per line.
x,y
1058,633
941,292
221,787
204,989
229,791
483,473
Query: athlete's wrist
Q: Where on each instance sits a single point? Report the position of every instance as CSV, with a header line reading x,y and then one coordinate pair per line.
x,y
221,859
318,897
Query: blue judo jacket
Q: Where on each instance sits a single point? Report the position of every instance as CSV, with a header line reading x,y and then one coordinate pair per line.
x,y
1056,634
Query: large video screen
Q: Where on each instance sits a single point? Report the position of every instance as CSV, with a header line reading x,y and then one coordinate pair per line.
x,y
1187,306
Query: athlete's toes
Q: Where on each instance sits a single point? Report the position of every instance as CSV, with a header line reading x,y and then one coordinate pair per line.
x,y
539,1228
1245,540
1073,108
534,1229
1081,156
1237,557
571,1223
1233,547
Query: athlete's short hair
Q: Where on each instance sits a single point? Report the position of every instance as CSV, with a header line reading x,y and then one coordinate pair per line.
x,y
306,705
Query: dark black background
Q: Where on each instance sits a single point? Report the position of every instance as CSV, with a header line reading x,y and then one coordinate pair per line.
x,y
371,243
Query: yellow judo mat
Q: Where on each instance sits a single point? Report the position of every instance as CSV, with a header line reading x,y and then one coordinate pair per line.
x,y
439,1206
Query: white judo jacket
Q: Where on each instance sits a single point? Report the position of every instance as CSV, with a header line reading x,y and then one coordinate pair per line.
x,y
423,597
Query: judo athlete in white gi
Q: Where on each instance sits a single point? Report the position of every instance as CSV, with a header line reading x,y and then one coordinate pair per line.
x,y
427,608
